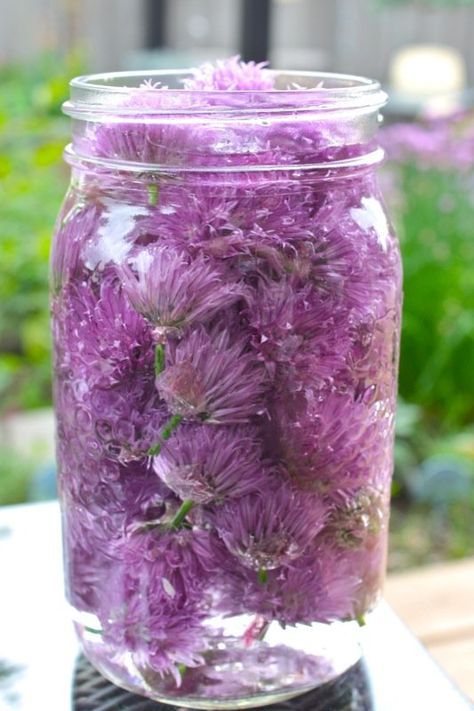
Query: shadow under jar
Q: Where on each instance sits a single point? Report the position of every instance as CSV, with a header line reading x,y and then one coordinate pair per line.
x,y
225,311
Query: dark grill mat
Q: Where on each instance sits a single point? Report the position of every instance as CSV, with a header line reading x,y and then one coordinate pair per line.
x,y
349,692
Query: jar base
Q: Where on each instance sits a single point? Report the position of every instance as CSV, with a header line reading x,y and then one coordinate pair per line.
x,y
287,663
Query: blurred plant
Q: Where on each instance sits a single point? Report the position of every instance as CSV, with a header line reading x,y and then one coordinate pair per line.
x,y
32,185
421,534
15,477
433,488
430,181
431,172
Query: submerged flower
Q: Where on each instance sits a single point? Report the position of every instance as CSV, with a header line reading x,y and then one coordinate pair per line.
x,y
320,587
370,562
358,518
154,602
103,500
271,528
176,564
77,223
372,359
119,423
230,75
212,377
173,292
103,341
205,464
324,584
333,442
286,320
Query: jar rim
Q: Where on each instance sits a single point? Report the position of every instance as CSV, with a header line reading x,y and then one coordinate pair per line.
x,y
95,95
327,170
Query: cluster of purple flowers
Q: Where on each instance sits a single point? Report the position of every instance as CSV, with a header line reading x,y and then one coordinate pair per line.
x,y
446,142
225,387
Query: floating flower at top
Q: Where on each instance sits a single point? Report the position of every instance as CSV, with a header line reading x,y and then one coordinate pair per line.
x,y
230,75
173,292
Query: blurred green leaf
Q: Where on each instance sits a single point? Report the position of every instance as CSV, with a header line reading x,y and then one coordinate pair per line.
x,y
32,187
437,347
15,477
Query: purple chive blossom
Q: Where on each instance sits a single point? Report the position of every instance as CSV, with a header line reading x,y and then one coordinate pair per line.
x,y
209,464
212,377
319,587
163,142
172,292
120,423
163,577
106,400
98,515
372,358
342,267
447,142
268,529
333,442
230,75
104,340
287,321
357,519
77,222
324,584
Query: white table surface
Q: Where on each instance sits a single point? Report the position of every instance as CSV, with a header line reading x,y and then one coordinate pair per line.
x,y
37,638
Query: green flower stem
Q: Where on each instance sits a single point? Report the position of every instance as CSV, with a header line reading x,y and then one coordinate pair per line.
x,y
263,632
184,509
166,433
92,630
159,358
361,621
170,427
182,669
262,576
153,193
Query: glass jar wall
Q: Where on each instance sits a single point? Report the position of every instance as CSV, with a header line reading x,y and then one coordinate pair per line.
x,y
226,305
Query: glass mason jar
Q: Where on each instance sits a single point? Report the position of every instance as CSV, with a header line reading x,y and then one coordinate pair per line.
x,y
226,309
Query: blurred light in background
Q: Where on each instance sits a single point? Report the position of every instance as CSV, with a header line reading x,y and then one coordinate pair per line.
x,y
431,76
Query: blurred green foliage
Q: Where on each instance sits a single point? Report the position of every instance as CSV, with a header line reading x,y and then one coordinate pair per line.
x,y
16,474
32,184
435,220
430,193
433,492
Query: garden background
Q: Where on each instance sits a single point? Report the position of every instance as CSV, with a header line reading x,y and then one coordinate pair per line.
x,y
429,185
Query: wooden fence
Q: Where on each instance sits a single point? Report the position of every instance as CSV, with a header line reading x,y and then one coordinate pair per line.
x,y
349,35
